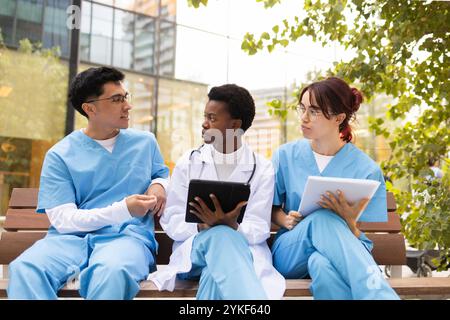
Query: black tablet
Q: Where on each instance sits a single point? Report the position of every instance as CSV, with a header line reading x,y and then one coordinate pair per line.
x,y
229,195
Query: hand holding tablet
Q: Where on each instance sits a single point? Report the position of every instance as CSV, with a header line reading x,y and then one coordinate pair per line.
x,y
354,189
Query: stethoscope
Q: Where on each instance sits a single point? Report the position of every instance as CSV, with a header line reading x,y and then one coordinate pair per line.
x,y
203,164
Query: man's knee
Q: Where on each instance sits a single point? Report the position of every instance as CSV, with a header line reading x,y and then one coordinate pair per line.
x,y
102,273
19,266
23,265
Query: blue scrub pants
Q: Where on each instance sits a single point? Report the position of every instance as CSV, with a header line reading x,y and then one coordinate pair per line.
x,y
111,267
221,257
338,263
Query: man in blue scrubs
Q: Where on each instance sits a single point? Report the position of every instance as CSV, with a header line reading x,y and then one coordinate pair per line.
x,y
100,187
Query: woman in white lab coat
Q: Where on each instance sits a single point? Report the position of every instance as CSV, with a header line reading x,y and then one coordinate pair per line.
x,y
233,261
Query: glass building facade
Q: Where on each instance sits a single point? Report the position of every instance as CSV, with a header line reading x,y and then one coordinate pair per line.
x,y
122,34
136,36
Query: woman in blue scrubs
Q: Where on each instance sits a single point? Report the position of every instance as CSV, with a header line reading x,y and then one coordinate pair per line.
x,y
327,245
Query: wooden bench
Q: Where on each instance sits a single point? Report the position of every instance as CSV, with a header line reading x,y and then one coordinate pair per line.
x,y
24,227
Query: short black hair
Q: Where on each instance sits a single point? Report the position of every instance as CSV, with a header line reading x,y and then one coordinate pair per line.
x,y
239,101
89,84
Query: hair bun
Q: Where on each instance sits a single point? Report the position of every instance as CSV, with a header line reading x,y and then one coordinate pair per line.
x,y
357,99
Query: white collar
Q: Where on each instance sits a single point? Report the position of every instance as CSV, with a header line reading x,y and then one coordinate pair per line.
x,y
227,158
106,142
245,163
318,155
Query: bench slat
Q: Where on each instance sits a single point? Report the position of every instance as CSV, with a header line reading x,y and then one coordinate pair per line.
x,y
12,244
438,286
391,204
25,219
388,249
421,286
27,198
24,198
22,216
28,219
393,225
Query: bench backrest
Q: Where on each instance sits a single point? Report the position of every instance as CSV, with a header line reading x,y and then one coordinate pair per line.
x,y
24,227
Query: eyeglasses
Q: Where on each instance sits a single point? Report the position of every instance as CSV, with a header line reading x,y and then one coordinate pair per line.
x,y
313,113
117,98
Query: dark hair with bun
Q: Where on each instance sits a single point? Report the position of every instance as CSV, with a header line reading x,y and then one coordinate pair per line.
x,y
334,96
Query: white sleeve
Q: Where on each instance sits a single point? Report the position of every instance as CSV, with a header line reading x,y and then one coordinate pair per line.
x,y
256,223
67,218
161,181
173,219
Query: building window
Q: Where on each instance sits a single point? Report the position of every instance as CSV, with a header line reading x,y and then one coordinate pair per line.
x,y
147,7
7,12
85,36
180,117
144,44
29,20
167,49
101,36
168,10
56,33
123,39
129,5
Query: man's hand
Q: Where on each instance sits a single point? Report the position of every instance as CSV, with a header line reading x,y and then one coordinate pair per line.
x,y
217,216
139,204
291,219
347,211
159,192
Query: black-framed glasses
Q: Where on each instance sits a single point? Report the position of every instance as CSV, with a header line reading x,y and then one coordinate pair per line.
x,y
117,98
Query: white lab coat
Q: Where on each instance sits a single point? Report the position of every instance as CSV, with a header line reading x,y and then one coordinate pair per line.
x,y
255,225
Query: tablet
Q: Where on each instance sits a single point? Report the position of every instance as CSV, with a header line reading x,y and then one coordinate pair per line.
x,y
354,190
229,195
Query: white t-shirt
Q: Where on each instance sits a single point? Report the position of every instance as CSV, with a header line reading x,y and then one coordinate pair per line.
x,y
108,144
322,161
225,163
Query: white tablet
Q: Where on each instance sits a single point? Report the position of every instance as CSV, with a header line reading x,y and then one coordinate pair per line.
x,y
354,190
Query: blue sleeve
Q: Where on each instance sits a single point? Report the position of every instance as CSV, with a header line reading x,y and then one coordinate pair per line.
x,y
279,197
376,210
159,169
56,185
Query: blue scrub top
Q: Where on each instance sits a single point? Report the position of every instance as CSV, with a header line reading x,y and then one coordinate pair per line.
x,y
79,170
295,161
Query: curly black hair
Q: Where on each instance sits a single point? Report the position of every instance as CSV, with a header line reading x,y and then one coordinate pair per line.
x,y
89,84
239,101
